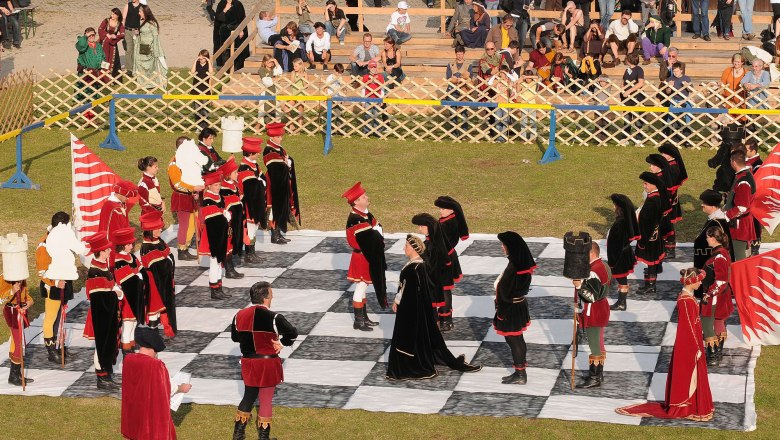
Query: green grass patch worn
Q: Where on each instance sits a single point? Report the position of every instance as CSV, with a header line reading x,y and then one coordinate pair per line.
x,y
498,191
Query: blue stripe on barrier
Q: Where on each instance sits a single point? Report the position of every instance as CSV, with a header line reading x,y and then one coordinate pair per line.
x,y
582,108
76,110
470,104
33,126
356,99
247,97
712,111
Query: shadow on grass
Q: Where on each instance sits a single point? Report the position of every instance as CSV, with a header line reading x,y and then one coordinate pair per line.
x,y
29,160
608,215
181,414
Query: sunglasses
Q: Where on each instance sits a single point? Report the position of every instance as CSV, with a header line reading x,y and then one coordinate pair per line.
x,y
490,48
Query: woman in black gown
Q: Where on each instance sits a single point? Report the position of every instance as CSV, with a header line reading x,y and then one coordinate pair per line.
x,y
230,14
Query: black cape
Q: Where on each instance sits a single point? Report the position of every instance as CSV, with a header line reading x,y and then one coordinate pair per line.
x,y
253,189
134,288
236,223
620,254
283,186
417,345
216,230
372,245
162,271
650,246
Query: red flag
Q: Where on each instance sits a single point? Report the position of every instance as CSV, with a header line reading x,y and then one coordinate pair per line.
x,y
766,201
92,183
756,285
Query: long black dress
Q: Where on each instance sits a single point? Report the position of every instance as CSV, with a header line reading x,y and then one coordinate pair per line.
x,y
160,267
417,345
436,258
620,254
512,316
224,24
282,186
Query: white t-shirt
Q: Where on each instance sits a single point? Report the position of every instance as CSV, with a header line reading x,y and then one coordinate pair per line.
x,y
316,44
620,31
398,19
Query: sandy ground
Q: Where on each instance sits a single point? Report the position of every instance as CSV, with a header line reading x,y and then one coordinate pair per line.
x,y
184,30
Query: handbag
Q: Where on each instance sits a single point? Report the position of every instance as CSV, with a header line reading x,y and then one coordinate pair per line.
x,y
145,49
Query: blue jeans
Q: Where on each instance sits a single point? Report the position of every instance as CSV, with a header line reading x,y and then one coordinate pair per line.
x,y
746,9
492,5
522,25
701,21
398,36
606,8
332,31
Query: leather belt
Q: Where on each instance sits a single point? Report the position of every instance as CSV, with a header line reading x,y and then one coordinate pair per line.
x,y
261,356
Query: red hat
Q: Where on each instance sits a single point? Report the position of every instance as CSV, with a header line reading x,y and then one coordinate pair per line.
x,y
125,188
212,177
353,193
228,167
152,220
275,129
123,236
252,145
373,63
98,242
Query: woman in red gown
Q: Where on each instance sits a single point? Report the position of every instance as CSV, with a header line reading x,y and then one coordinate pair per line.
x,y
688,393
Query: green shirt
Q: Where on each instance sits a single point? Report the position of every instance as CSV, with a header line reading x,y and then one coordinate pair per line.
x,y
89,57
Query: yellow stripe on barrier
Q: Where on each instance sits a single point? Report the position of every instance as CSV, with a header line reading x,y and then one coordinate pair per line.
x,y
526,106
753,111
636,108
53,119
191,97
411,101
102,100
10,134
301,98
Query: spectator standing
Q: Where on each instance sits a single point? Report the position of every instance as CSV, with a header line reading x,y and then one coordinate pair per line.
x,y
132,16
607,8
334,83
527,94
298,80
362,55
201,72
621,34
479,26
701,19
391,59
656,40
755,83
460,20
492,5
110,33
288,46
631,95
746,11
335,21
458,74
90,64
318,47
678,88
546,31
723,18
399,26
266,26
775,15
230,14
520,10
503,92
352,19
268,70
501,34
149,58
650,7
374,83
305,23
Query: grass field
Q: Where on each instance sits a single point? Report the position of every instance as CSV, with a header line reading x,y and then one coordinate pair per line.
x,y
498,192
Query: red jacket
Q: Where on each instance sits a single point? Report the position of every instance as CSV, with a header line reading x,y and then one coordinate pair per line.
x,y
596,314
113,216
738,210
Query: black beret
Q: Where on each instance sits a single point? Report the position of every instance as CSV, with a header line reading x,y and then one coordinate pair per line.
x,y
149,337
711,198
657,160
652,178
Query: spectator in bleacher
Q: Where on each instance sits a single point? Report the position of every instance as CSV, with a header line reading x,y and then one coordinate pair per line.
x,y
548,32
335,21
755,83
458,76
400,25
656,40
593,41
572,20
391,59
502,34
478,29
288,46
631,95
607,8
746,11
520,10
490,63
269,69
621,34
701,19
110,33
775,26
90,64
665,68
149,59
305,23
318,47
649,7
511,57
374,87
266,26
460,21
539,59
731,78
723,18
10,30
352,19
229,14
362,55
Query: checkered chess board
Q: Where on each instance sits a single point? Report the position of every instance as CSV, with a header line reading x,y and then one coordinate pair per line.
x,y
333,366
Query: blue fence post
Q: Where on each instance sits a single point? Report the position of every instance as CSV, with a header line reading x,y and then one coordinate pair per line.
x,y
328,127
551,154
19,180
112,141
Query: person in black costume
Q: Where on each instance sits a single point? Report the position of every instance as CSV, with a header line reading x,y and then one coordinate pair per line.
x,y
512,316
732,136
436,258
228,15
650,245
620,254
417,345
678,175
453,224
660,167
282,185
711,202
160,267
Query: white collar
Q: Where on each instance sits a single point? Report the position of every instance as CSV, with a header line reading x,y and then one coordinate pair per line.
x,y
113,198
717,214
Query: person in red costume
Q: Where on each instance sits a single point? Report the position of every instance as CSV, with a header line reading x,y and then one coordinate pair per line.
x,y
146,390
113,213
688,394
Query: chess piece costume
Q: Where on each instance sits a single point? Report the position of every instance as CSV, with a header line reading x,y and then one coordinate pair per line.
x,y
512,317
737,211
15,272
701,249
455,229
755,163
281,185
678,174
436,259
620,254
650,245
594,318
252,184
214,233
667,230
256,328
149,196
184,174
232,197
160,267
417,345
113,213
211,155
102,323
127,271
688,392
367,264
717,304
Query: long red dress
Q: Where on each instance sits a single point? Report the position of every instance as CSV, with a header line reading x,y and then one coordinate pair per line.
x,y
688,393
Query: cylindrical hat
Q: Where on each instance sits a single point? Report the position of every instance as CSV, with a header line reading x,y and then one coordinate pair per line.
x,y
252,145
123,236
152,220
98,242
228,167
212,178
275,129
353,193
14,249
125,188
232,131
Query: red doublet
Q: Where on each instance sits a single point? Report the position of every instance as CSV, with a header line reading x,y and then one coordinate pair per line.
x,y
259,372
113,216
358,264
719,292
156,304
596,314
147,185
180,201
121,275
740,208
213,207
146,391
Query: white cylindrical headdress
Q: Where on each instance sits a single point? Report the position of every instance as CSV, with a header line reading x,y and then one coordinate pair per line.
x,y
232,132
14,249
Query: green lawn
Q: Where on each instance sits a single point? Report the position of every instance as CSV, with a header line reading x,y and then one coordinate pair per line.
x,y
498,192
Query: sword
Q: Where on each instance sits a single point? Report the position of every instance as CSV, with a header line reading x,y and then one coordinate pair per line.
x,y
574,341
20,317
61,337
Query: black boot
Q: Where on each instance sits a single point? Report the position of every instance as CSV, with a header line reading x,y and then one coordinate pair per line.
x,y
519,377
185,255
250,257
106,383
711,356
239,429
462,365
282,237
719,351
648,288
365,317
51,348
755,248
230,269
671,250
592,380
218,293
445,322
276,236
360,321
264,430
621,302
15,376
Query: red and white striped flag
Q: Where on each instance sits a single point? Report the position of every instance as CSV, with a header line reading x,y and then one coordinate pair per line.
x,y
92,183
766,201
756,285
